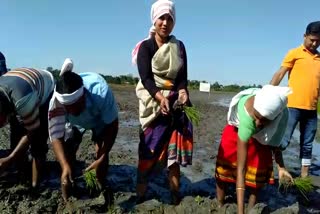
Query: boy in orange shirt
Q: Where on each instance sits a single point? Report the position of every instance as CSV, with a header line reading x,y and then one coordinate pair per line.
x,y
303,67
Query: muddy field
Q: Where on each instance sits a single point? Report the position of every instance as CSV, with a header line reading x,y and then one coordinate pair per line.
x,y
197,183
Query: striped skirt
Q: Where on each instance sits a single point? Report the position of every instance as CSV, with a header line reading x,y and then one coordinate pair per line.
x,y
163,143
259,160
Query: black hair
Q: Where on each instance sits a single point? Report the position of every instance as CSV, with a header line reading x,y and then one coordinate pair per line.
x,y
68,83
2,56
3,66
313,28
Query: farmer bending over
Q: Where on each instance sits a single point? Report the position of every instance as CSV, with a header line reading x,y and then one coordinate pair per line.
x,y
81,102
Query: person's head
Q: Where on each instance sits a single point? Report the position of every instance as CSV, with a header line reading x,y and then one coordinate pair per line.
x,y
312,36
5,109
69,90
269,102
163,17
3,66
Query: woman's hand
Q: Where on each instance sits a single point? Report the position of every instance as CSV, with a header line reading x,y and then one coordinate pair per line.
x,y
66,181
183,96
164,103
164,106
284,174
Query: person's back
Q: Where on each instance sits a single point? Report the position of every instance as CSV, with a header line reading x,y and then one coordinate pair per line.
x,y
27,89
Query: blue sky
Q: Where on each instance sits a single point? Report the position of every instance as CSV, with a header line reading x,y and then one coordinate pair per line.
x,y
229,41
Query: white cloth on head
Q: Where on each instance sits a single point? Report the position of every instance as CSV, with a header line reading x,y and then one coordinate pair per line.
x,y
158,9
270,134
68,99
271,100
161,7
66,67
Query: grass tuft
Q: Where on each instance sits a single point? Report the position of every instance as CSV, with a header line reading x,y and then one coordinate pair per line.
x,y
91,181
193,114
303,185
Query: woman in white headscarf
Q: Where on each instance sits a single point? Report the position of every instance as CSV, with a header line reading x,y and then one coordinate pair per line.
x,y
166,134
256,124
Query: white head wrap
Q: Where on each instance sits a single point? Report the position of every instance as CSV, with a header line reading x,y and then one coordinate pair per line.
x,y
161,7
158,9
271,100
68,99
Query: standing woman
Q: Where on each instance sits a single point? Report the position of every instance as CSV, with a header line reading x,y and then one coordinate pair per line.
x,y
166,137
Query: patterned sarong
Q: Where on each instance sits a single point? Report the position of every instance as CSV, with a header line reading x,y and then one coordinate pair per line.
x,y
259,160
167,140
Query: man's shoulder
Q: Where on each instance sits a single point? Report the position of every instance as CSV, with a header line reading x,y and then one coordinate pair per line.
x,y
297,50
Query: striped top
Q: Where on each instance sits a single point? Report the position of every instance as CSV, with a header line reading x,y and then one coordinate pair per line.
x,y
27,89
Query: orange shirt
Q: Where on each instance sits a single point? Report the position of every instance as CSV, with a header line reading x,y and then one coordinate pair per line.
x,y
304,78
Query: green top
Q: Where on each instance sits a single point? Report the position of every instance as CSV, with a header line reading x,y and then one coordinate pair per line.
x,y
247,126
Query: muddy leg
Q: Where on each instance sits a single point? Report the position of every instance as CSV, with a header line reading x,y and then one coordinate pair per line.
x,y
220,186
37,166
174,182
252,198
304,171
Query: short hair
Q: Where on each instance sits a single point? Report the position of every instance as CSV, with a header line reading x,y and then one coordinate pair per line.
x,y
3,66
68,83
313,28
2,56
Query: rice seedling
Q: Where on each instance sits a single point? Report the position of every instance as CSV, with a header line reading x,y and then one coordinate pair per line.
x,y
303,185
91,181
193,114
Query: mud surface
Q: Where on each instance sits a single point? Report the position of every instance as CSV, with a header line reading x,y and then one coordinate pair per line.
x,y
197,182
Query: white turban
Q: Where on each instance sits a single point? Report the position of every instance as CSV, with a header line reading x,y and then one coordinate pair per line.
x,y
162,7
67,66
271,100
68,99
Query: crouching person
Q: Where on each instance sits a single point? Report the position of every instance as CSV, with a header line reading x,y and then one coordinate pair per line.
x,y
82,101
24,101
257,119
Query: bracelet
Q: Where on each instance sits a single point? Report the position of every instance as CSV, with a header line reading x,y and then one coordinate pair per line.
x,y
241,188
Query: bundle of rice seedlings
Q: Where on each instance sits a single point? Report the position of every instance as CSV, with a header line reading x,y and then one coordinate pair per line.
x,y
303,185
193,114
91,181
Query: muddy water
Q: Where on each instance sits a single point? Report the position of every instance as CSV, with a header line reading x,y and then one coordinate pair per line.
x,y
197,183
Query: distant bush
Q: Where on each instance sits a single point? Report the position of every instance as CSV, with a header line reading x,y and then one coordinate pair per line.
x,y
129,79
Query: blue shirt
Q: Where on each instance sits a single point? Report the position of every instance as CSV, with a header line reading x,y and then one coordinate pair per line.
x,y
101,108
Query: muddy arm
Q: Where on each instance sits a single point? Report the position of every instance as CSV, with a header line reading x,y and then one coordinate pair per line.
x,y
280,164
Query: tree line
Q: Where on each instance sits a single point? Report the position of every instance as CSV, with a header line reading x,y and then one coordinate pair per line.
x,y
192,84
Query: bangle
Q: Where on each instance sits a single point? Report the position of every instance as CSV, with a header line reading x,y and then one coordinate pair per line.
x,y
241,188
